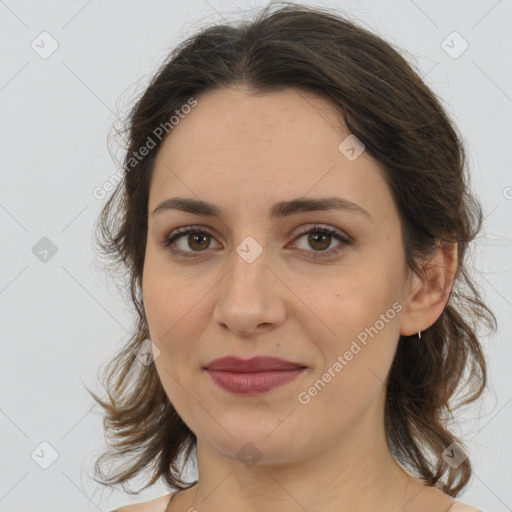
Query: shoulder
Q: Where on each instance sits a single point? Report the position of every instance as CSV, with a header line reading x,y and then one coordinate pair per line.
x,y
156,505
462,507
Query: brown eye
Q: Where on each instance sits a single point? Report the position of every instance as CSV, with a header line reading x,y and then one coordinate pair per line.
x,y
320,238
196,239
318,241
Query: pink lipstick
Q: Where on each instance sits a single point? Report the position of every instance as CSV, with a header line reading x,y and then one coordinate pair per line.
x,y
253,376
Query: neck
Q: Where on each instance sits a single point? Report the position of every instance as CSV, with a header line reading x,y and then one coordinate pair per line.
x,y
355,473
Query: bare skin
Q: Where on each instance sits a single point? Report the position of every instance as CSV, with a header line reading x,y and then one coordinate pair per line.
x,y
418,498
244,153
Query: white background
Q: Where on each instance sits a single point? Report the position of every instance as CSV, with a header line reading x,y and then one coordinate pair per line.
x,y
61,319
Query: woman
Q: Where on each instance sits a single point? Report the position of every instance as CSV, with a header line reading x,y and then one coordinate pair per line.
x,y
294,217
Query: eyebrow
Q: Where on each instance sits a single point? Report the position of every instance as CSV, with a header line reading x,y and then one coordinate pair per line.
x,y
277,211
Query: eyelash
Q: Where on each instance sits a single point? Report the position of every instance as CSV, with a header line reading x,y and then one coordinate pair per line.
x,y
316,229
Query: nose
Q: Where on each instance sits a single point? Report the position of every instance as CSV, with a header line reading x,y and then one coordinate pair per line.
x,y
250,297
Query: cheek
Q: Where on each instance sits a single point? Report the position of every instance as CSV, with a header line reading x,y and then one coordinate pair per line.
x,y
161,286
156,304
362,313
165,302
352,298
356,359
175,315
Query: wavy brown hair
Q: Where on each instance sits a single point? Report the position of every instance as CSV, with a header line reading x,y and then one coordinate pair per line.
x,y
385,103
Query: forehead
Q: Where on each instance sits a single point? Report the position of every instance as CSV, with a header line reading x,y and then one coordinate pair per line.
x,y
235,119
235,146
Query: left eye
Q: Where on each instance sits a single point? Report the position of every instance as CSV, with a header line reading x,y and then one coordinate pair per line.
x,y
319,238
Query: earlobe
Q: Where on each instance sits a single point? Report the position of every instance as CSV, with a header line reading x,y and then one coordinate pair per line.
x,y
428,295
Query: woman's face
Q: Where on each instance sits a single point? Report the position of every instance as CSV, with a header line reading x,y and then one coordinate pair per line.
x,y
249,283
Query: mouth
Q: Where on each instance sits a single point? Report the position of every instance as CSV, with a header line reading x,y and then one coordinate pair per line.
x,y
253,376
247,383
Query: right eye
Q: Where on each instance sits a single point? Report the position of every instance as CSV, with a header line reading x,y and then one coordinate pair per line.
x,y
196,237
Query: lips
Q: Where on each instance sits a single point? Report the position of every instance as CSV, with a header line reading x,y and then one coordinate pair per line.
x,y
255,364
252,376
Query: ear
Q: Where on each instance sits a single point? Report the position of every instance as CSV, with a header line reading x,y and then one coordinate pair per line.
x,y
427,296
